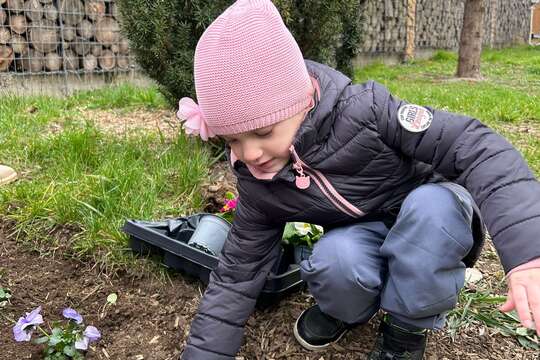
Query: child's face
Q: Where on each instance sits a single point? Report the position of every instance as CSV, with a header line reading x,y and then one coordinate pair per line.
x,y
266,149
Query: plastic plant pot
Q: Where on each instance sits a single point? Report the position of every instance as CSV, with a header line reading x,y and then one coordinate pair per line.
x,y
210,234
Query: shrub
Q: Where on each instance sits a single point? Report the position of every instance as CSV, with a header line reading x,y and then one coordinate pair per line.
x,y
163,35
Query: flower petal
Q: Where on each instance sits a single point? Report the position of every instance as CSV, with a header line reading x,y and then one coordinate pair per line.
x,y
92,333
70,313
82,343
34,317
19,333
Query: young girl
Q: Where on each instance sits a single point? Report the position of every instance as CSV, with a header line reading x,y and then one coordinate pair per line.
x,y
398,188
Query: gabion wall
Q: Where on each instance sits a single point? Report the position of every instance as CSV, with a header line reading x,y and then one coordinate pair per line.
x,y
438,24
59,36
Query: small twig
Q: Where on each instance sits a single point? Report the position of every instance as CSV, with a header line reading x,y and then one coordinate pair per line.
x,y
89,294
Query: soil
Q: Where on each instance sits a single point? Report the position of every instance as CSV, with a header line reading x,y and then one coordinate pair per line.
x,y
151,317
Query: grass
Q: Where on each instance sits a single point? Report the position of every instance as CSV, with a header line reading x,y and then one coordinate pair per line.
x,y
480,308
89,181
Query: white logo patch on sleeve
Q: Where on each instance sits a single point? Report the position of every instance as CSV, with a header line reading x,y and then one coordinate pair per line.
x,y
414,118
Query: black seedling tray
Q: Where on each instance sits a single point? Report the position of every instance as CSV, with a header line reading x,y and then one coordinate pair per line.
x,y
148,239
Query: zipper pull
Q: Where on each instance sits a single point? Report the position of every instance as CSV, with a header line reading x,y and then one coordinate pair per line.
x,y
302,181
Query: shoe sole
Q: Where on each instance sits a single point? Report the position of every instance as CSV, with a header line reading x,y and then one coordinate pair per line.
x,y
308,346
9,179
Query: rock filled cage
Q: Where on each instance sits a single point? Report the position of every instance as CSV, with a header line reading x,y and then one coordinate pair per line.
x,y
61,36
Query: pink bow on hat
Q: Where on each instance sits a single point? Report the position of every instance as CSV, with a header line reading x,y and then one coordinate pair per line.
x,y
194,124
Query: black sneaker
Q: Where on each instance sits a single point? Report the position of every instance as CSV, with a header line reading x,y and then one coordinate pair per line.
x,y
397,343
315,330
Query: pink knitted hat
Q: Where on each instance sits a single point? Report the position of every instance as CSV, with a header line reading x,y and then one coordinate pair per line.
x,y
249,73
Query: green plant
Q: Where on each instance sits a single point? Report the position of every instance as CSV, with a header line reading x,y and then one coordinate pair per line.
x,y
65,339
480,307
163,35
5,295
295,233
298,233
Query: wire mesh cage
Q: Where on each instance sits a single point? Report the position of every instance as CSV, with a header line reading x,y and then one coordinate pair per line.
x,y
62,36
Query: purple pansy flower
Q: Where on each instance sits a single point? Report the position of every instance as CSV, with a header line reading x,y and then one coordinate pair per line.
x,y
31,319
91,334
70,313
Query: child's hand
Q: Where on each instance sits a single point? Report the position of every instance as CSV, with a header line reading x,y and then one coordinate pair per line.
x,y
524,296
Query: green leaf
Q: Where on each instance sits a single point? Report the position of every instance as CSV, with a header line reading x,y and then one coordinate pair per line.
x,y
5,294
522,331
54,340
528,343
69,350
111,299
289,231
41,340
229,195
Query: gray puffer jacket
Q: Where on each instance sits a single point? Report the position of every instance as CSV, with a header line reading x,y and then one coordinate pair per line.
x,y
361,163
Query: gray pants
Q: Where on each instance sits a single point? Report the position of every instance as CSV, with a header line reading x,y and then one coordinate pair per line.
x,y
414,271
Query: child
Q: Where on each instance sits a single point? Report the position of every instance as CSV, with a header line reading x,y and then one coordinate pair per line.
x,y
395,185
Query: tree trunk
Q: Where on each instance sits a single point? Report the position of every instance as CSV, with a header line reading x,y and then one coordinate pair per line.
x,y
94,9
17,23
3,16
15,6
470,45
107,31
411,30
53,62
72,11
86,29
90,63
5,35
51,12
33,10
107,61
71,61
19,44
33,62
6,57
43,38
122,62
68,34
81,46
124,46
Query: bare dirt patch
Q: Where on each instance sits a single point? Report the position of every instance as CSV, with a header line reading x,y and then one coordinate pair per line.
x,y
121,122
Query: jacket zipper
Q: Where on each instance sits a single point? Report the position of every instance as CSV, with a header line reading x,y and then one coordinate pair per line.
x,y
303,182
